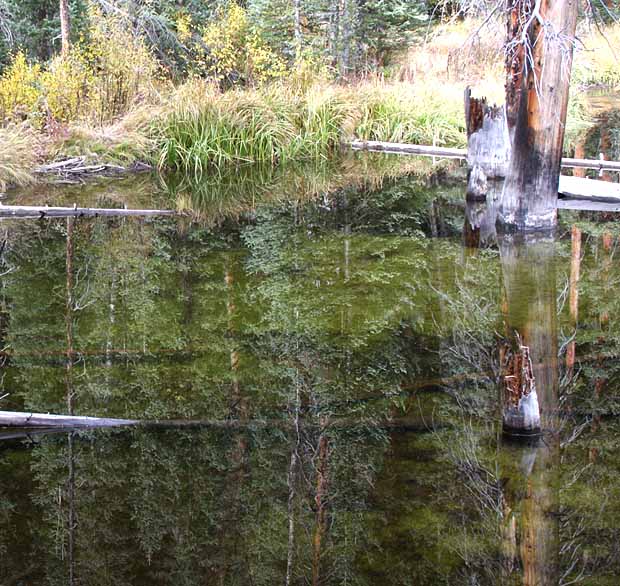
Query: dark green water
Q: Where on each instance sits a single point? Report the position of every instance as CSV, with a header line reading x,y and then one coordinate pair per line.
x,y
343,350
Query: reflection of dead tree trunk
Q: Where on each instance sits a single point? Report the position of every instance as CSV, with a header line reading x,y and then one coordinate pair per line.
x,y
292,481
521,412
573,296
71,522
531,481
69,304
111,320
539,53
321,508
607,244
540,542
528,268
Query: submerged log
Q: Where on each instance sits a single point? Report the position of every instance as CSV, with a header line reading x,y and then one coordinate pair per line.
x,y
591,189
76,168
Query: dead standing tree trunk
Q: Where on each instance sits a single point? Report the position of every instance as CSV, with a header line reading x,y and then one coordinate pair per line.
x,y
541,35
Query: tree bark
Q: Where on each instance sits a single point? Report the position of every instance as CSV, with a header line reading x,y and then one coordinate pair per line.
x,y
65,27
540,42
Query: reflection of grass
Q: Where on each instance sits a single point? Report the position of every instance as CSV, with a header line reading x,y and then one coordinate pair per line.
x,y
231,191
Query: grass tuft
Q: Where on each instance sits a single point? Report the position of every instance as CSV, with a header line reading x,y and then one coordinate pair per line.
x,y
19,146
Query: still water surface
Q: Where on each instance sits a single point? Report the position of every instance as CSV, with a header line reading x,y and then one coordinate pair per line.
x,y
342,351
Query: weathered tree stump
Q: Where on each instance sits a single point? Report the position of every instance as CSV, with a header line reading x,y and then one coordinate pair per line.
x,y
488,147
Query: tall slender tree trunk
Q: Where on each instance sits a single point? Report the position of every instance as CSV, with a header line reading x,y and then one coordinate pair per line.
x,y
334,31
347,35
65,27
297,23
540,42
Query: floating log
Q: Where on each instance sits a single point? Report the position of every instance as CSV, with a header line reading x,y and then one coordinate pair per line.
x,y
454,153
18,212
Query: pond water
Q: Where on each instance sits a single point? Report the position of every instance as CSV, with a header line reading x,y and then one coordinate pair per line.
x,y
339,342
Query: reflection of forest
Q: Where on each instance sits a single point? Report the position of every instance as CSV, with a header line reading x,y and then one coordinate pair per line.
x,y
309,325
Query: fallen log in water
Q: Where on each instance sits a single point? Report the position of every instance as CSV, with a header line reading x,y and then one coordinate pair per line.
x,y
19,212
26,420
411,149
44,422
433,151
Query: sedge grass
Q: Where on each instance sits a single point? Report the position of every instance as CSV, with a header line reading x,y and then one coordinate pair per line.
x,y
18,154
203,128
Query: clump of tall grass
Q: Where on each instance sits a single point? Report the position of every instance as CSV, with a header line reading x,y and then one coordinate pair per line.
x,y
203,128
18,155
